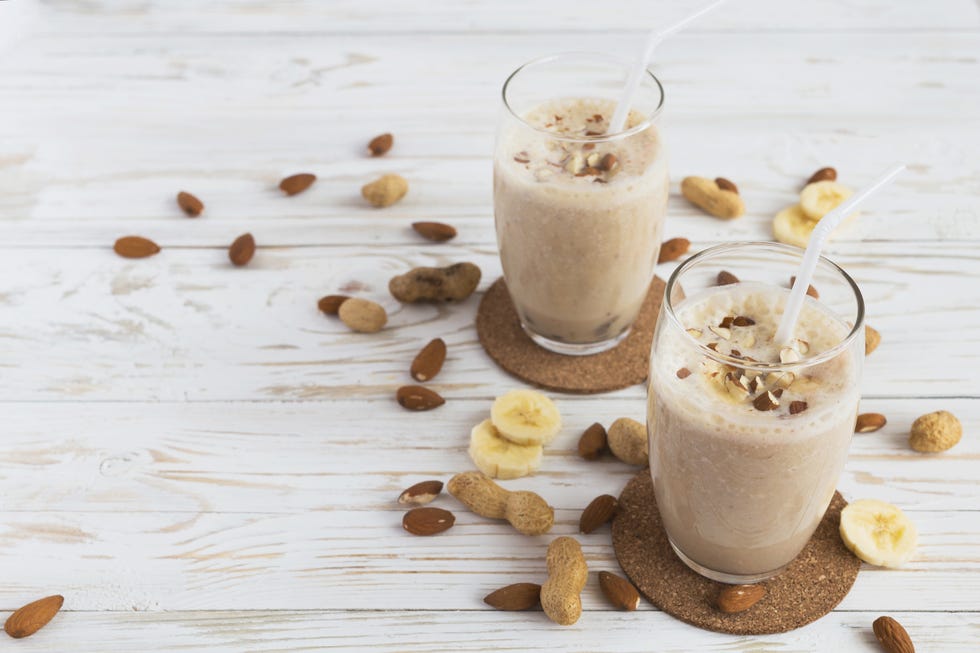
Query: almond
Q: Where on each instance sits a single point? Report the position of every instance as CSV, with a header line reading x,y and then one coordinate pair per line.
x,y
519,596
242,250
135,247
33,617
823,174
619,591
428,521
683,373
189,204
871,339
420,493
608,162
362,315
295,184
766,401
330,304
593,442
725,184
738,598
673,249
725,278
415,397
429,361
435,231
797,407
892,636
597,513
869,422
810,290
380,145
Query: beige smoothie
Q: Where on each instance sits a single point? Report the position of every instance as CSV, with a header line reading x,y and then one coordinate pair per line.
x,y
745,461
578,218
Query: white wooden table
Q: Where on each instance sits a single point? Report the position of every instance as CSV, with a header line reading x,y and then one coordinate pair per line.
x,y
197,459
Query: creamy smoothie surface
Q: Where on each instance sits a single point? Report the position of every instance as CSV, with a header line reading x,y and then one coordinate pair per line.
x,y
745,462
578,221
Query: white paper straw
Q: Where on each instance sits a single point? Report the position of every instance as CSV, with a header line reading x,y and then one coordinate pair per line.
x,y
819,236
639,67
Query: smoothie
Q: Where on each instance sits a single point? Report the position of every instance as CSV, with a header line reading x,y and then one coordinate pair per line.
x,y
747,437
578,218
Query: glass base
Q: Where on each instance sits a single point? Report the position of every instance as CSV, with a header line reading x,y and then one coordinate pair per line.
x,y
723,577
574,348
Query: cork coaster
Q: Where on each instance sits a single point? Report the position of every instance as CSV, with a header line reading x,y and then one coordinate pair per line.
x,y
819,578
624,365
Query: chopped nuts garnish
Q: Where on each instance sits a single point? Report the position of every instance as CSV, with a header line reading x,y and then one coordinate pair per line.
x,y
608,162
796,407
810,290
713,346
725,278
683,373
726,322
766,401
588,171
788,355
742,321
522,157
575,163
721,332
593,159
778,392
801,346
735,388
694,333
780,379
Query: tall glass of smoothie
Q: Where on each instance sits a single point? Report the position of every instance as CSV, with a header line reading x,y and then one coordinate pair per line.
x,y
748,436
578,210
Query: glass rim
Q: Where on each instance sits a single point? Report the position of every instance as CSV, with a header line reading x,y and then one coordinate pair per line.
x,y
646,124
741,363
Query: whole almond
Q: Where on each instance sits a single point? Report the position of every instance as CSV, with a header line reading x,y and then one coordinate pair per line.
x,y
380,145
519,596
415,397
435,231
429,361
420,493
362,315
330,304
593,442
810,290
823,174
428,521
871,339
296,184
892,636
597,513
619,591
869,422
725,184
242,250
135,247
33,617
673,249
190,204
738,598
725,278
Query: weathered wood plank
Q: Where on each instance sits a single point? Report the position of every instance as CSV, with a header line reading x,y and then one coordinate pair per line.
x,y
462,630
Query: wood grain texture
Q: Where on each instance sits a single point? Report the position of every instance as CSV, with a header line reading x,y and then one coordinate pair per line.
x,y
454,630
198,459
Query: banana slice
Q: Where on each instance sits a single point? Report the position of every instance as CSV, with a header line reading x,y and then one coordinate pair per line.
x,y
878,532
500,458
791,226
821,197
526,417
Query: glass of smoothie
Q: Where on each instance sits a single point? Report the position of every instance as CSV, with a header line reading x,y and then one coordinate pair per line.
x,y
748,436
578,210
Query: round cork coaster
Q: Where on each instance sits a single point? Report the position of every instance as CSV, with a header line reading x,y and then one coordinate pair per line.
x,y
819,578
624,365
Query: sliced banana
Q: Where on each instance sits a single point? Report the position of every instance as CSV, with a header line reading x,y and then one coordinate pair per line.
x,y
526,417
500,458
821,197
791,226
878,532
